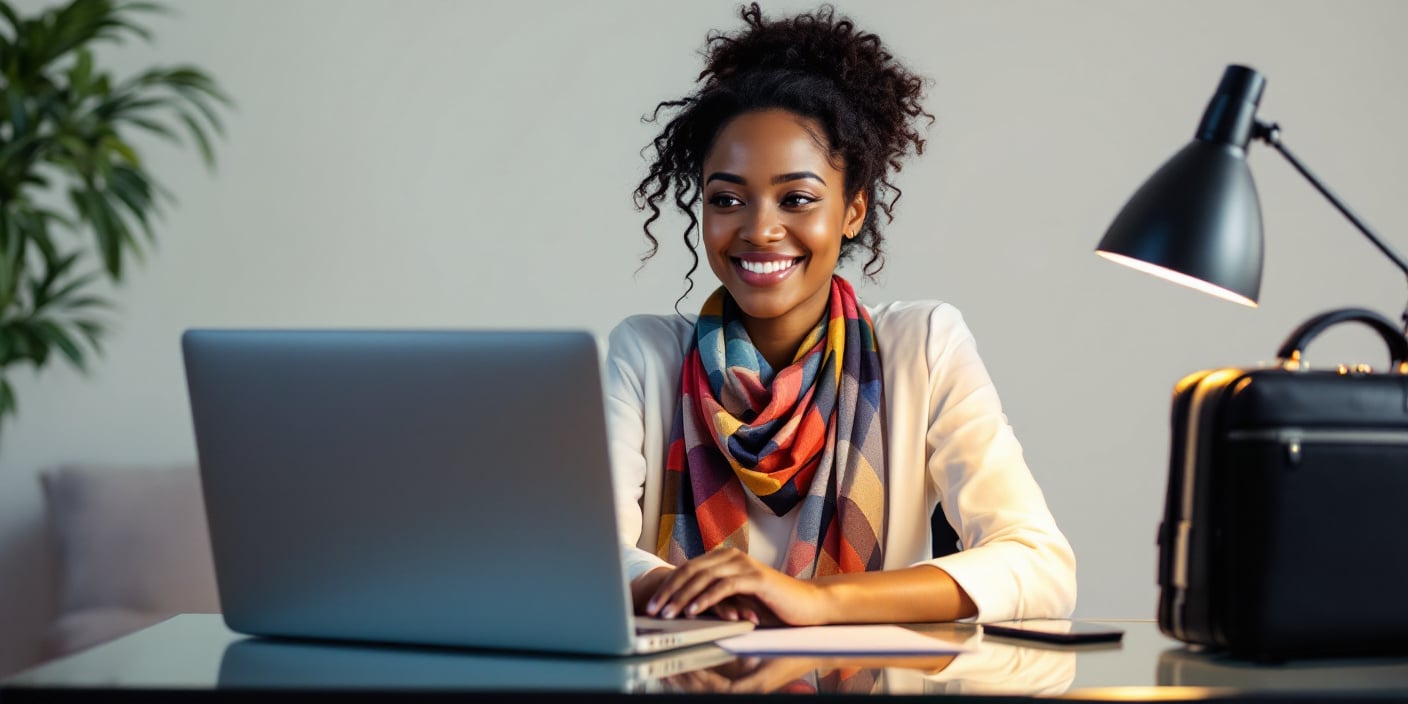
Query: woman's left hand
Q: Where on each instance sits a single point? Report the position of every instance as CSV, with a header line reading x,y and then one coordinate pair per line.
x,y
700,584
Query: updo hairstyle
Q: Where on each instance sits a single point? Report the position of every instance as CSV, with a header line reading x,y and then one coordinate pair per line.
x,y
817,66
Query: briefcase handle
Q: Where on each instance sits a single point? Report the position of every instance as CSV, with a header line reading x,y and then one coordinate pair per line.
x,y
1291,349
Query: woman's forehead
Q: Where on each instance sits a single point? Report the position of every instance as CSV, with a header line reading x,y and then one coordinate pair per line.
x,y
768,143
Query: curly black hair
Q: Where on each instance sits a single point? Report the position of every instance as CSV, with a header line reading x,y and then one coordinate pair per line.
x,y
815,65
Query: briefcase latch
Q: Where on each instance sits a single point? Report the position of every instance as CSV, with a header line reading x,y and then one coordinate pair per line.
x,y
1356,369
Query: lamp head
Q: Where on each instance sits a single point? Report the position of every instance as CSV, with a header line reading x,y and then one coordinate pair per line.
x,y
1197,220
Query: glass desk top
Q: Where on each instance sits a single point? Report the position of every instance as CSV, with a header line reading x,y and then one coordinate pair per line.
x,y
197,652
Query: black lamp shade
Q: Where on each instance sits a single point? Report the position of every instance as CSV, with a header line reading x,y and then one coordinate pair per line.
x,y
1197,220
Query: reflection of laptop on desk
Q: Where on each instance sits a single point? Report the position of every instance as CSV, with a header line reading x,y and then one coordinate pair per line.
x,y
441,488
270,664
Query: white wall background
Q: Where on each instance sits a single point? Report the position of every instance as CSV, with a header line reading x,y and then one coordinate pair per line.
x,y
437,163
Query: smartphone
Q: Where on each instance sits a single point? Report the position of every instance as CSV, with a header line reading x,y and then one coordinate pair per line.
x,y
1054,630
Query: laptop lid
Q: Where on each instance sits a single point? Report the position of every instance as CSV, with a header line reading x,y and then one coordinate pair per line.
x,y
447,488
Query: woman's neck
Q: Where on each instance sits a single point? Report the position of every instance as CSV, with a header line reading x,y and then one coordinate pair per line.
x,y
777,339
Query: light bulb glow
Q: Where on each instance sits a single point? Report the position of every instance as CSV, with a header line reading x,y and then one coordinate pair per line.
x,y
1178,278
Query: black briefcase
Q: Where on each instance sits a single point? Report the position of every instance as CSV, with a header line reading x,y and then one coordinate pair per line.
x,y
1285,530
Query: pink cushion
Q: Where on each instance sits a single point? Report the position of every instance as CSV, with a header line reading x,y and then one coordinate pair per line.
x,y
129,541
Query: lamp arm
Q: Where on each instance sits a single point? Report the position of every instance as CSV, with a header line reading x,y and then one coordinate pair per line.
x,y
1271,134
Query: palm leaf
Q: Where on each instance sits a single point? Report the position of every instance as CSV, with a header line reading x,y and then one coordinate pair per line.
x,y
153,127
8,405
36,226
19,112
198,99
131,189
206,152
55,270
9,14
52,333
92,331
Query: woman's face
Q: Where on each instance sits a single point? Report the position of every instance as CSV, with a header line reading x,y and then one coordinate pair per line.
x,y
775,213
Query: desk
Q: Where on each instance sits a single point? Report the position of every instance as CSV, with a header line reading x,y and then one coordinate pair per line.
x,y
196,654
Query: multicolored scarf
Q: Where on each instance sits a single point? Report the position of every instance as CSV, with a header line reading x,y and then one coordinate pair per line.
x,y
809,434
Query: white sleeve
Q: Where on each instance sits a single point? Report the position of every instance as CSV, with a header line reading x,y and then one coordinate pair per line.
x,y
1015,562
625,423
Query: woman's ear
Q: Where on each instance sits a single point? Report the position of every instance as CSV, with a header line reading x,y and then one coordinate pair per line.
x,y
855,214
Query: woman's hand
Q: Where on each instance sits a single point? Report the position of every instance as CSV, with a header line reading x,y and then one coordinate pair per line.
x,y
735,585
736,608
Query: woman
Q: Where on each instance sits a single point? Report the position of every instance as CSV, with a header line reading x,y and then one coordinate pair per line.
x,y
778,458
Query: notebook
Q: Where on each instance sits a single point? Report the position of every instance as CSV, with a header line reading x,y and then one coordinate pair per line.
x,y
424,487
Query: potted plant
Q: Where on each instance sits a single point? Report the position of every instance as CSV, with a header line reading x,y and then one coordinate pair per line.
x,y
77,203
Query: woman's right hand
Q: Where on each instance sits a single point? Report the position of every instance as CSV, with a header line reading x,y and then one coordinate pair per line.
x,y
737,608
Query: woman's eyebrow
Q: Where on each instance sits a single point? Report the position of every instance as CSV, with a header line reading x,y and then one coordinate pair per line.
x,y
797,176
780,178
726,176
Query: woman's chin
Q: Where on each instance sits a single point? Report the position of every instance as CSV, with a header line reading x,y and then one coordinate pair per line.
x,y
759,307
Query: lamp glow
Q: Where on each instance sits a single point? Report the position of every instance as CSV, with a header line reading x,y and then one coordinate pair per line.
x,y
1178,278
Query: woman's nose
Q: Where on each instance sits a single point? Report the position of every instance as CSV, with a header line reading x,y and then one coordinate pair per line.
x,y
764,226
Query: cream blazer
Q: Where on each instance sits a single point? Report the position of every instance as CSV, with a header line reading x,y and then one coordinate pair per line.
x,y
946,442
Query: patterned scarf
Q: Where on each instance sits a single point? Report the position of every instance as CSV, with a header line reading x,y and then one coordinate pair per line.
x,y
809,435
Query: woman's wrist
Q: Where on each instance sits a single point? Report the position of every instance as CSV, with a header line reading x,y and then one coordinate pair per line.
x,y
832,599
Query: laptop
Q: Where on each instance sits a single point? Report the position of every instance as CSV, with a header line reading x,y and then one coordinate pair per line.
x,y
424,487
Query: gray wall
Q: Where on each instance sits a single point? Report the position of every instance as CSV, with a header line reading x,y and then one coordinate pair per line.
x,y
436,163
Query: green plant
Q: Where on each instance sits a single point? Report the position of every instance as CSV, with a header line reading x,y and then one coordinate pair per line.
x,y
71,182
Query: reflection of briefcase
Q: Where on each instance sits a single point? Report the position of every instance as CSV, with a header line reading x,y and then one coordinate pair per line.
x,y
1285,530
1340,679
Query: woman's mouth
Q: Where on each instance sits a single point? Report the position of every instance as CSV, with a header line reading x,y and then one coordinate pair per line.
x,y
764,272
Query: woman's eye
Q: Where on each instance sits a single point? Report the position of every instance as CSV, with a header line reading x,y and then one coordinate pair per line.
x,y
797,200
723,200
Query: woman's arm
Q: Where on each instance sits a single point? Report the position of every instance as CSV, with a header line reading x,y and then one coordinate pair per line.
x,y
628,384
1015,562
915,594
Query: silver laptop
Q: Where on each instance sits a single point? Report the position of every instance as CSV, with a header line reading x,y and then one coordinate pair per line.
x,y
441,488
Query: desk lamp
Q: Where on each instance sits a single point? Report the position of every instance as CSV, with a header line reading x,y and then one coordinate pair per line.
x,y
1197,221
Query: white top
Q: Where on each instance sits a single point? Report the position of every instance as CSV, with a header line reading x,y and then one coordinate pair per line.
x,y
946,441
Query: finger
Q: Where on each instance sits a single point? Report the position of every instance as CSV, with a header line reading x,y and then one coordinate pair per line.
x,y
752,615
735,606
671,583
726,612
684,574
689,586
749,609
723,587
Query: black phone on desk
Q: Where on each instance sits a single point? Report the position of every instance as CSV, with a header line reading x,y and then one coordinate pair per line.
x,y
1054,630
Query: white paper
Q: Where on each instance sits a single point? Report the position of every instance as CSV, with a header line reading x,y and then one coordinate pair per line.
x,y
836,640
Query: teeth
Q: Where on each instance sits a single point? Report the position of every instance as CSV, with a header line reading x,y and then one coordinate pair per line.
x,y
767,267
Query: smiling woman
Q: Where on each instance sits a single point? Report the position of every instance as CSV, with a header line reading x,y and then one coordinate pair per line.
x,y
778,456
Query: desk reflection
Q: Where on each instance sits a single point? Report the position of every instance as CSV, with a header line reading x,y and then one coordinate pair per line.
x,y
1184,667
267,663
986,667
